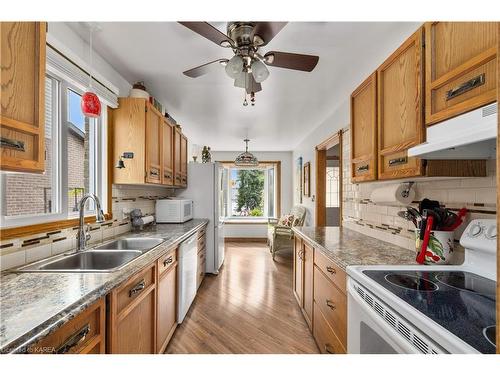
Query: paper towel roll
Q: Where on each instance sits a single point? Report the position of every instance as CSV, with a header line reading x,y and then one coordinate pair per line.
x,y
147,219
392,195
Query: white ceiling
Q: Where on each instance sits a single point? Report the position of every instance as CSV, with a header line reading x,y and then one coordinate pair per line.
x,y
210,109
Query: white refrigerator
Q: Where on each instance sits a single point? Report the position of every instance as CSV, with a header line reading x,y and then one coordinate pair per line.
x,y
207,184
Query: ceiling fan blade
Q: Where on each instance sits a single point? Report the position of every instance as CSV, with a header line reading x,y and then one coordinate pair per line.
x,y
208,31
267,30
204,69
288,60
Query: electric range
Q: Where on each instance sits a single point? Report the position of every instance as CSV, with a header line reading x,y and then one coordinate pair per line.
x,y
427,309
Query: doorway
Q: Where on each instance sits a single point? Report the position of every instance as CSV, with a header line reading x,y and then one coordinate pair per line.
x,y
329,182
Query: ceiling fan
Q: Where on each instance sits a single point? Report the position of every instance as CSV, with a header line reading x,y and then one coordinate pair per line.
x,y
248,66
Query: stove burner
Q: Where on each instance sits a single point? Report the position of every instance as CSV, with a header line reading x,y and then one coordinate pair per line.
x,y
411,282
467,282
489,333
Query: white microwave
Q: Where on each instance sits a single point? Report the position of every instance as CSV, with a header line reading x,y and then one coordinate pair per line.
x,y
176,210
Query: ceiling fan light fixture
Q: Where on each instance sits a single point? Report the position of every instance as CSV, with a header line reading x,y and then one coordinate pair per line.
x,y
241,80
234,66
259,71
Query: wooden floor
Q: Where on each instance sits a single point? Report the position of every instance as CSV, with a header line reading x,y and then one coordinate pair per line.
x,y
248,308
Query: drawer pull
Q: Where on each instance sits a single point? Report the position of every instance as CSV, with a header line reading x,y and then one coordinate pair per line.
x,y
301,254
330,304
74,340
363,168
137,288
331,270
167,176
328,349
153,172
398,161
12,143
168,261
466,86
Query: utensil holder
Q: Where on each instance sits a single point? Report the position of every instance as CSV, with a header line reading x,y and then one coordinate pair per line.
x,y
440,248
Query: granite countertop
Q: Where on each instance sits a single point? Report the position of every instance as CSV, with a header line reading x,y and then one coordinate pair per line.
x,y
32,305
347,247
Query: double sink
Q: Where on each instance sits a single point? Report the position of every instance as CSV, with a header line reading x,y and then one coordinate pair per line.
x,y
108,257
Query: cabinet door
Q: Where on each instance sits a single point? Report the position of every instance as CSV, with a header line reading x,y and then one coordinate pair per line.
x,y
167,152
167,312
132,315
298,270
177,156
308,296
460,72
400,111
22,126
184,146
364,131
154,124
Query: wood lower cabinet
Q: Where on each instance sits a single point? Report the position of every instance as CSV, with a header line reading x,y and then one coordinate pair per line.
x,y
202,256
84,334
460,68
132,315
364,131
320,289
22,120
167,299
400,114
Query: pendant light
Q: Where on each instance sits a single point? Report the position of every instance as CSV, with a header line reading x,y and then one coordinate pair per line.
x,y
90,104
246,159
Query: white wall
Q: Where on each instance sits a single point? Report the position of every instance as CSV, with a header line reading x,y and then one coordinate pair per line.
x,y
260,230
339,117
70,44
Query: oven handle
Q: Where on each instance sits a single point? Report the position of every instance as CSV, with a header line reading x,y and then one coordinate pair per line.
x,y
399,342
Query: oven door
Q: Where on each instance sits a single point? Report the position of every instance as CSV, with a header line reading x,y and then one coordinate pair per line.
x,y
367,332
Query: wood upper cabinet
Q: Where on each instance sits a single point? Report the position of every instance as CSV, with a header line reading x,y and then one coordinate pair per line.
x,y
308,297
298,270
460,68
167,153
184,161
180,158
132,315
400,110
364,131
22,61
154,129
84,334
167,299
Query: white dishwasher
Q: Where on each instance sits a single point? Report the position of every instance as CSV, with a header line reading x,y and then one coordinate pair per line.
x,y
186,276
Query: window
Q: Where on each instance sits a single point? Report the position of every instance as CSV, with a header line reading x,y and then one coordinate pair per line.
x,y
251,192
75,149
332,186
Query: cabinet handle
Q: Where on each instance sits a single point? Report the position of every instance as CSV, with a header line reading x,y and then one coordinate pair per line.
x,y
363,168
331,270
12,143
328,349
137,288
74,340
153,172
398,161
168,261
167,176
466,86
330,304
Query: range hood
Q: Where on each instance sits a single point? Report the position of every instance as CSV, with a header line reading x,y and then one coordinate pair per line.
x,y
468,136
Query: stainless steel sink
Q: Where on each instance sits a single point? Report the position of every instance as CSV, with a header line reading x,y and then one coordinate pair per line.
x,y
87,261
142,244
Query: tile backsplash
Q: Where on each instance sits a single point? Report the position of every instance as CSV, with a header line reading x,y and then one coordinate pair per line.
x,y
18,251
478,195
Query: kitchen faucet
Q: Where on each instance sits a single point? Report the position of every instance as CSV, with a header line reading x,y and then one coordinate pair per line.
x,y
83,236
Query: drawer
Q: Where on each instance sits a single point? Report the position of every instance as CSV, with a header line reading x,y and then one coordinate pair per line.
x,y
201,273
332,303
133,288
398,165
330,269
202,232
364,170
83,334
201,256
202,242
326,339
166,261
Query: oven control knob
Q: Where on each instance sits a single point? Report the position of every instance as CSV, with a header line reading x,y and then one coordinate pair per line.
x,y
475,230
491,232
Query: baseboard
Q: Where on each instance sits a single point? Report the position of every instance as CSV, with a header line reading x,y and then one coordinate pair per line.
x,y
245,239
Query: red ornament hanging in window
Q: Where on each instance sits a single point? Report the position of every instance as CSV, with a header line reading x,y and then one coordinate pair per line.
x,y
91,106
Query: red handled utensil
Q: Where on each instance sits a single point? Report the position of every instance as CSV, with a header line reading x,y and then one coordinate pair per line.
x,y
458,220
428,228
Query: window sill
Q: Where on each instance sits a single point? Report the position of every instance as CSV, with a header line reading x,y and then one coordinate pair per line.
x,y
245,221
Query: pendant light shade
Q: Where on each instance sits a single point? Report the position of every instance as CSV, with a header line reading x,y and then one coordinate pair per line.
x,y
259,71
246,159
234,66
90,103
